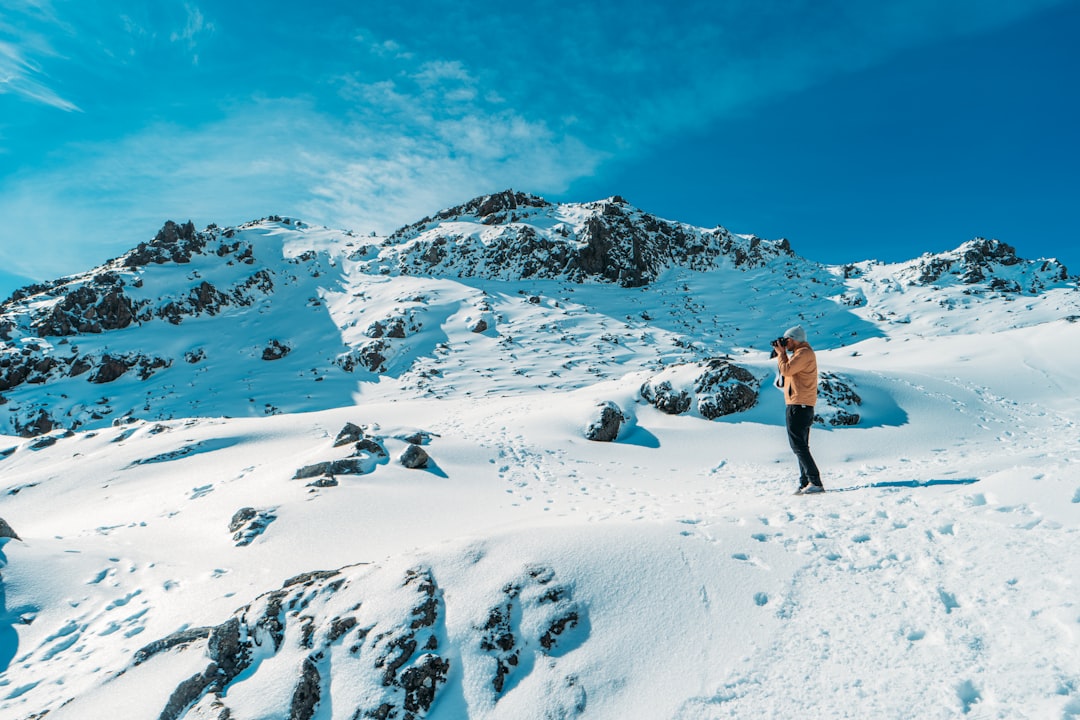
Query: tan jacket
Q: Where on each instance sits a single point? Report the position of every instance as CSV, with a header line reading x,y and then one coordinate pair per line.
x,y
800,374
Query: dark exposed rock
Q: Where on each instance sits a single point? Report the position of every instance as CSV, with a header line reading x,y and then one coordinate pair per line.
x,y
616,243
187,692
339,627
414,457
396,328
248,523
230,653
720,388
6,531
369,446
347,466
109,370
725,388
370,356
491,209
78,367
604,427
275,351
41,424
175,243
43,442
838,403
980,260
349,434
549,607
307,693
666,398
421,681
557,627
82,310
241,517
182,638
402,667
420,437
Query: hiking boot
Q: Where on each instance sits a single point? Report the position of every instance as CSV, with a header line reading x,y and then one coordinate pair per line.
x,y
812,489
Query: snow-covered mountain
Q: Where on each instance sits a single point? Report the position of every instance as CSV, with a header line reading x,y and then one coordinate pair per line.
x,y
278,470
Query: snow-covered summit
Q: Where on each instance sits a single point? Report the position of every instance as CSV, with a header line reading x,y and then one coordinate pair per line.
x,y
276,316
513,235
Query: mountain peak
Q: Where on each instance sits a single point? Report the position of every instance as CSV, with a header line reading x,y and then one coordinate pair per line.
x,y
988,260
498,208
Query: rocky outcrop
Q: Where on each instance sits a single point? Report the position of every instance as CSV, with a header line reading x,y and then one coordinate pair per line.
x,y
838,403
87,309
275,350
350,433
249,523
6,531
503,207
715,388
665,397
368,452
615,242
724,389
387,659
347,466
605,425
173,243
990,262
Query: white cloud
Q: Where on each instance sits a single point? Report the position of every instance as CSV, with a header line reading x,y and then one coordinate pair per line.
x,y
22,75
194,30
387,165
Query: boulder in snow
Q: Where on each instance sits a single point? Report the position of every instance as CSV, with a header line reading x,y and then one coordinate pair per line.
x,y
604,427
414,457
7,532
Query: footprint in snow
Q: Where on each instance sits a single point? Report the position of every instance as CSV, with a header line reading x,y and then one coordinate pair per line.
x,y
201,491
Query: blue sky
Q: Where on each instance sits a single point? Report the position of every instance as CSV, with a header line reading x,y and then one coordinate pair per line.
x,y
855,129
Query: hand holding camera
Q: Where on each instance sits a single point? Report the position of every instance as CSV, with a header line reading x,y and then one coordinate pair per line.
x,y
780,342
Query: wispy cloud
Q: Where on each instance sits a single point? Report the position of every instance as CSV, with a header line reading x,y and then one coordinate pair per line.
x,y
196,28
21,49
273,156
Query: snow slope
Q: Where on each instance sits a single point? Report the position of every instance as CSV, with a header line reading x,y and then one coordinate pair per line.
x,y
527,571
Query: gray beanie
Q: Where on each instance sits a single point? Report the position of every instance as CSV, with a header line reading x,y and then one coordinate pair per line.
x,y
796,333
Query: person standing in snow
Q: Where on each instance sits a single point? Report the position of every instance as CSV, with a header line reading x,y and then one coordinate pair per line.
x,y
799,381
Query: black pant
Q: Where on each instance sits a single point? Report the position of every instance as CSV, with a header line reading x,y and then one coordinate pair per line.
x,y
799,420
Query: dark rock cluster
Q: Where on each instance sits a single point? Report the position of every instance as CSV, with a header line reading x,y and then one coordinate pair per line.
x,y
720,388
982,261
617,244
248,523
318,621
113,298
838,402
376,354
494,209
368,451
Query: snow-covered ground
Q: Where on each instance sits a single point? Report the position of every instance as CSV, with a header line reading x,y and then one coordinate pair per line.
x,y
527,572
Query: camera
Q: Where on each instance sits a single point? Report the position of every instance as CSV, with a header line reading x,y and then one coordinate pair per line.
x,y
781,340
